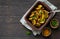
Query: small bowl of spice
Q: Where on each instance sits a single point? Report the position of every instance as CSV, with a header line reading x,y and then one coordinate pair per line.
x,y
54,23
46,32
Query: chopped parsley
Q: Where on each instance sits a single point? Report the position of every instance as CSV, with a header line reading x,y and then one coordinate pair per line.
x,y
54,23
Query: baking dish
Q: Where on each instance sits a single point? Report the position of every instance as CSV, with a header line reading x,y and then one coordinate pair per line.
x,y
32,8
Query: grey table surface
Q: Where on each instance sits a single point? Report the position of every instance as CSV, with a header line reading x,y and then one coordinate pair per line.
x,y
11,12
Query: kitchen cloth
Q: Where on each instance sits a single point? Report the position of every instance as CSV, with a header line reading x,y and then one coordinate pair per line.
x,y
22,20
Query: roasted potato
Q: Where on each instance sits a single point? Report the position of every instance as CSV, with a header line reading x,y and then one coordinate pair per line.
x,y
39,7
38,16
33,22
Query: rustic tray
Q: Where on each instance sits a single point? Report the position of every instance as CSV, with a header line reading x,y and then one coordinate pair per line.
x,y
46,7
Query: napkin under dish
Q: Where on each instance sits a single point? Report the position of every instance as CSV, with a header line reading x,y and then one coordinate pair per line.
x,y
22,20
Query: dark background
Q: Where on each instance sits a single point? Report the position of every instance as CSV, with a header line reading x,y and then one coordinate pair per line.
x,y
11,12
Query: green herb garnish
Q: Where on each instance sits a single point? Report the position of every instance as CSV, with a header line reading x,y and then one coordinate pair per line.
x,y
34,16
54,23
28,33
40,12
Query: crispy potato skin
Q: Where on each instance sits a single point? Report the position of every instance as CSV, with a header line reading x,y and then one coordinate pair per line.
x,y
38,16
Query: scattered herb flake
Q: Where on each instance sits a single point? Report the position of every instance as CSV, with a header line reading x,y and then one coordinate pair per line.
x,y
28,33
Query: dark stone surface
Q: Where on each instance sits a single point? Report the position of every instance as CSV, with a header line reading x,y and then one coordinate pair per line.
x,y
11,12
